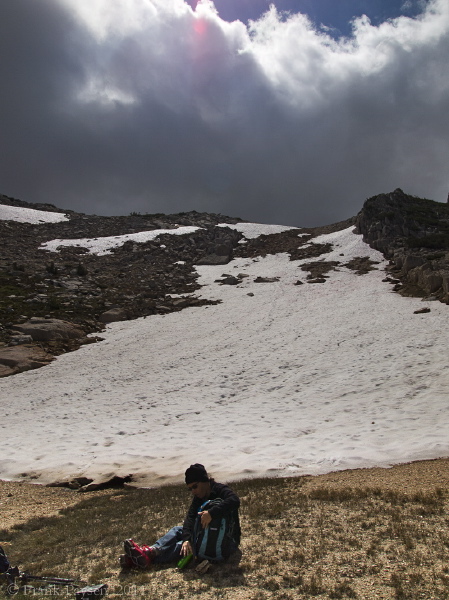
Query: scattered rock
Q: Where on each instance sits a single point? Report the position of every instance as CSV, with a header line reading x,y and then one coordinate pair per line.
x,y
421,311
86,484
230,280
266,279
104,483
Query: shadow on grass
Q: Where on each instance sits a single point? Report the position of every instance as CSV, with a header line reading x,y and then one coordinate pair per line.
x,y
332,543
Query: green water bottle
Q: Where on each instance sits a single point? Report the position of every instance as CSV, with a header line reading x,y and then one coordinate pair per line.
x,y
185,561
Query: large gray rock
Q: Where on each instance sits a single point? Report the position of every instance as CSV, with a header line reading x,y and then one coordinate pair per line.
x,y
15,359
411,262
113,315
46,330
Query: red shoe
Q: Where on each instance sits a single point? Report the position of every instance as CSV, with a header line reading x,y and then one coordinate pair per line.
x,y
125,562
141,556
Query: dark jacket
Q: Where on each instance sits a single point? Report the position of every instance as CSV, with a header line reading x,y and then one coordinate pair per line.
x,y
230,506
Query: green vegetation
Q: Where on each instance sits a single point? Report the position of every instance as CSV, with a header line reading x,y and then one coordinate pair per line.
x,y
328,543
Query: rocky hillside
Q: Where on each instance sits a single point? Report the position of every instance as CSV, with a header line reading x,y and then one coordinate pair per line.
x,y
50,301
86,290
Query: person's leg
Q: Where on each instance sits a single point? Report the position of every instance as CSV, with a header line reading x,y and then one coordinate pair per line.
x,y
168,547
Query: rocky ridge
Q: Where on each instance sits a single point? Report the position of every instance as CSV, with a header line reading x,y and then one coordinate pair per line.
x,y
51,301
413,233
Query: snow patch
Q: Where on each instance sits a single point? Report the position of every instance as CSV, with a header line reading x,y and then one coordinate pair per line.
x,y
29,215
105,245
254,230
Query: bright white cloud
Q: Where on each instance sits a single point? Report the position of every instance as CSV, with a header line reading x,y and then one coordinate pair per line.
x,y
172,49
304,64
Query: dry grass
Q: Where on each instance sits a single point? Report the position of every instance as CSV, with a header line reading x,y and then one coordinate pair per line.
x,y
302,538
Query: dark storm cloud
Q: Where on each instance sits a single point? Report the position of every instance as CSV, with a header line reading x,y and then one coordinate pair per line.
x,y
151,107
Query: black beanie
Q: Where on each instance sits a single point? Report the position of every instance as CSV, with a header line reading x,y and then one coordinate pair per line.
x,y
196,473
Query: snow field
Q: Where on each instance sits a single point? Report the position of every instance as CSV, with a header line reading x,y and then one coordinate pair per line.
x,y
294,379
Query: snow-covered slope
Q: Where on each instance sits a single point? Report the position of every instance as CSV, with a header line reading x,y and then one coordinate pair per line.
x,y
277,379
29,215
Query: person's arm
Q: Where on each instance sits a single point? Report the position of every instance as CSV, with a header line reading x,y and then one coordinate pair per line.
x,y
189,521
230,501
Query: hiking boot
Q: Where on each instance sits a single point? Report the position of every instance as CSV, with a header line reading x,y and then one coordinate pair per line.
x,y
141,556
125,562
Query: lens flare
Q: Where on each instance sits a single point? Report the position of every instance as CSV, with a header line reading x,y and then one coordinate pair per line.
x,y
200,26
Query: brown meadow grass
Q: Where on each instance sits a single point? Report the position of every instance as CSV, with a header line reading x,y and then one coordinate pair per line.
x,y
361,534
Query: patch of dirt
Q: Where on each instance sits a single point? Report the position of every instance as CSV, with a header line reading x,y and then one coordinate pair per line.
x,y
361,265
319,268
20,502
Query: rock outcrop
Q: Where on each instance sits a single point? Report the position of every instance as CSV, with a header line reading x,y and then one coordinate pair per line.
x,y
16,359
414,234
45,330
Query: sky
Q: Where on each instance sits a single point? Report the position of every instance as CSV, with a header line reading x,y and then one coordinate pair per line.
x,y
357,379
293,112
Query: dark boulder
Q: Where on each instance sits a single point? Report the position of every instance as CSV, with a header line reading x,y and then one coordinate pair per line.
x,y
414,234
44,330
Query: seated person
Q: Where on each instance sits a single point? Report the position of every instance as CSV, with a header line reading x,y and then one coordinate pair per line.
x,y
179,542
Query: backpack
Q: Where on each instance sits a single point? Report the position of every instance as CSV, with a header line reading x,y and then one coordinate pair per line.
x,y
4,562
215,542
